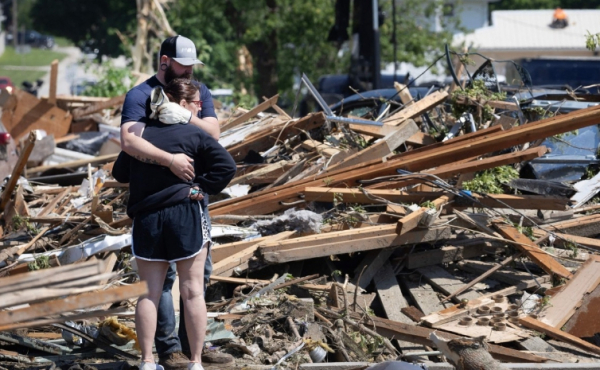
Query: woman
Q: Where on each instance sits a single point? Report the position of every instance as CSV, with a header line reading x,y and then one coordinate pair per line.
x,y
168,222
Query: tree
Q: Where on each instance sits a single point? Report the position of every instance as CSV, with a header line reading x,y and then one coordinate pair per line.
x,y
96,23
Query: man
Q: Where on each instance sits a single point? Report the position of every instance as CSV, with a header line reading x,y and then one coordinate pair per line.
x,y
177,58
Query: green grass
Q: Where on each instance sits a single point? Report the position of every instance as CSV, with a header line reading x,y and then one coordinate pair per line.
x,y
62,42
36,57
17,77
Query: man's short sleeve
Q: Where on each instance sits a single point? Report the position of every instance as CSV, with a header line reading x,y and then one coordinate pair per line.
x,y
208,107
134,107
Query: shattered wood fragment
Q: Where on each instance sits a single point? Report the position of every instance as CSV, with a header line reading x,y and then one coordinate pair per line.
x,y
75,164
540,257
97,107
250,114
565,303
417,108
445,282
453,252
319,147
84,300
18,169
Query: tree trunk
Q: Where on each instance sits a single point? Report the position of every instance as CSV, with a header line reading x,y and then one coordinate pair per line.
x,y
264,55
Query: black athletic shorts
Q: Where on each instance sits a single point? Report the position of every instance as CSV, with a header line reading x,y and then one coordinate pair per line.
x,y
170,234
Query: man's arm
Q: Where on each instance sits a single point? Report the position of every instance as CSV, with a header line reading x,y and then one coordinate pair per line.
x,y
133,144
210,125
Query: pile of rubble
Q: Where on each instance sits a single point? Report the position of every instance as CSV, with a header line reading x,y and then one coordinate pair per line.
x,y
342,242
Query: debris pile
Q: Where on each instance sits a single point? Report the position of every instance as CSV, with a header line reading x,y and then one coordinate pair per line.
x,y
399,233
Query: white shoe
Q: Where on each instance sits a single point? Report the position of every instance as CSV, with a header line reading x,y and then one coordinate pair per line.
x,y
195,366
151,366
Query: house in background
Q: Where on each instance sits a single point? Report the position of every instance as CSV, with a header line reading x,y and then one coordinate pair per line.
x,y
518,34
473,14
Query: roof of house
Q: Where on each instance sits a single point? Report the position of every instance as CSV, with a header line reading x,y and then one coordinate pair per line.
x,y
530,29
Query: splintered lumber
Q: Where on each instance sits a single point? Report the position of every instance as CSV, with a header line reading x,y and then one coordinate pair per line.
x,y
319,147
222,251
417,108
450,253
243,256
383,147
24,112
354,245
66,304
520,279
263,175
53,78
18,169
99,106
78,163
588,242
565,303
351,195
265,140
410,221
451,151
450,170
41,278
531,323
392,300
535,253
416,334
250,114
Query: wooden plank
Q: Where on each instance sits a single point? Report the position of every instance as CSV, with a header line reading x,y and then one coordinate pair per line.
x,y
555,333
420,335
352,195
77,163
450,253
445,282
222,251
18,169
410,221
250,114
319,147
244,255
370,266
565,303
421,138
97,107
392,300
378,242
278,109
53,78
578,226
511,277
416,109
233,280
382,148
539,256
40,278
588,242
404,94
66,304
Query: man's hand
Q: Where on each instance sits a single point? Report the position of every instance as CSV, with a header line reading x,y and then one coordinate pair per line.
x,y
172,113
182,166
196,194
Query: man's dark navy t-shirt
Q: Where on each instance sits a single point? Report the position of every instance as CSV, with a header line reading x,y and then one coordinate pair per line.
x,y
135,107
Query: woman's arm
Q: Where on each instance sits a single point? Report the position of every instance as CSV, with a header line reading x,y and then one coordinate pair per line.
x,y
219,166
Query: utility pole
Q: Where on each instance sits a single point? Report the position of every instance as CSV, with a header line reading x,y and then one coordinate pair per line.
x,y
15,25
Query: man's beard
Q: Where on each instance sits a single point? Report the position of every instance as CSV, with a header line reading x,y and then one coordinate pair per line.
x,y
170,75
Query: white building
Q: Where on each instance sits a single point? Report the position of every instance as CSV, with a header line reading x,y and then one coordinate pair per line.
x,y
473,14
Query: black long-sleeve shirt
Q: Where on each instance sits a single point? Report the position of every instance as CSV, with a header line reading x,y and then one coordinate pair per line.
x,y
154,187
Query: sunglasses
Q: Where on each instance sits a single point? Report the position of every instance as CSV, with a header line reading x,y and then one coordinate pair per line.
x,y
197,102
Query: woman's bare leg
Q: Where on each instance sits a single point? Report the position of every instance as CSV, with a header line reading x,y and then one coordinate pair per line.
x,y
153,273
191,288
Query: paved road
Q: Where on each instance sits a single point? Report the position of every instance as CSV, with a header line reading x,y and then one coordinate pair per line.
x,y
68,69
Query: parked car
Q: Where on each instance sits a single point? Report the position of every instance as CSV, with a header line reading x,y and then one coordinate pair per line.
x,y
33,39
6,83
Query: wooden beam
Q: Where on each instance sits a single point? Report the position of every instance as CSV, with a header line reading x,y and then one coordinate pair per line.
x,y
555,333
537,255
85,300
53,78
416,109
18,169
250,114
378,242
97,107
588,242
382,148
243,256
567,301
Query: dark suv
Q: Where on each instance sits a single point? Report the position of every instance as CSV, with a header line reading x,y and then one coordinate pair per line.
x,y
33,39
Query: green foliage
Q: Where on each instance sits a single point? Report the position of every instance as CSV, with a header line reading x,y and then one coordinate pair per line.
x,y
525,230
428,204
476,92
490,181
112,81
85,21
23,223
40,263
417,42
573,248
592,41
